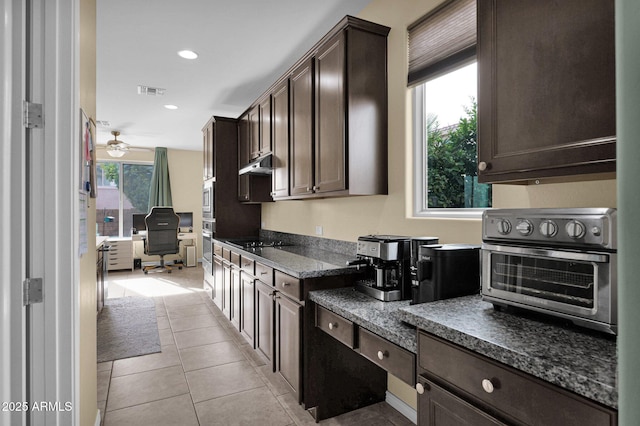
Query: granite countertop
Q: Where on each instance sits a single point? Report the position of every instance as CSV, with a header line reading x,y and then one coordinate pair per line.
x,y
372,314
298,261
582,362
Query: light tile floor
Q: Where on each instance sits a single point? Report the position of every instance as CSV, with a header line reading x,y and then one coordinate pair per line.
x,y
206,374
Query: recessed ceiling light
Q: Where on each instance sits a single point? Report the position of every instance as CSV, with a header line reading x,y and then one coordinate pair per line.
x,y
171,107
188,54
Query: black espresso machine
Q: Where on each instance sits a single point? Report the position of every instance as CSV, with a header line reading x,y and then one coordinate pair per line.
x,y
386,261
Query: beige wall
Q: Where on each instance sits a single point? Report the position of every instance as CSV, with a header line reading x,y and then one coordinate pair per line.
x,y
185,172
347,218
87,285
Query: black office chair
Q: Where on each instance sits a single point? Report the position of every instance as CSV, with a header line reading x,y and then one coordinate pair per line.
x,y
162,236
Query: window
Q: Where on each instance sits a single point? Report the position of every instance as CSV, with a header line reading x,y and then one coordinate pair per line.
x,y
443,72
116,203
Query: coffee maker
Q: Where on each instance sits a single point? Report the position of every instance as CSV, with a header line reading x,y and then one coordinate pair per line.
x,y
385,260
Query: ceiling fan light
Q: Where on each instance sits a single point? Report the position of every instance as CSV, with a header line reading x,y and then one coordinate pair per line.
x,y
115,152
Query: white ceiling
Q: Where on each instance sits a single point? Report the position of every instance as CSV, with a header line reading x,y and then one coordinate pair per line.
x,y
244,46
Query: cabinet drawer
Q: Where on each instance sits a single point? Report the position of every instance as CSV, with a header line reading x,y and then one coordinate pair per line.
x,y
264,273
235,258
334,325
226,253
247,265
396,360
217,250
288,285
516,394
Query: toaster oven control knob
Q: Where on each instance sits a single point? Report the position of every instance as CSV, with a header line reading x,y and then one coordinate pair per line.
x,y
524,227
504,226
575,229
548,228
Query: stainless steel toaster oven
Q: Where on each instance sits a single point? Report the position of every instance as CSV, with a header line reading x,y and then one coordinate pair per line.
x,y
556,261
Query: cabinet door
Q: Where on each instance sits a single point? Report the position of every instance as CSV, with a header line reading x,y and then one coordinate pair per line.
x,y
254,132
207,151
226,290
264,321
546,88
301,129
288,326
330,116
236,286
265,126
247,308
280,148
218,282
244,156
437,407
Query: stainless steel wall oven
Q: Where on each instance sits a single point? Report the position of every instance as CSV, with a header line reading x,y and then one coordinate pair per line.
x,y
556,261
208,192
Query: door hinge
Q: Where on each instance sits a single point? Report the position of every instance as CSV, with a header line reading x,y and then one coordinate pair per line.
x,y
31,291
32,115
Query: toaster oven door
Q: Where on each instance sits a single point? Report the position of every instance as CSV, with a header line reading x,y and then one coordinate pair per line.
x,y
568,283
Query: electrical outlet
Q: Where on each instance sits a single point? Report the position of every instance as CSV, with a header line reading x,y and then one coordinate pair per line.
x,y
319,230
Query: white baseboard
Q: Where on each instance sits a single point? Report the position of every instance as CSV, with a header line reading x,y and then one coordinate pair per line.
x,y
401,406
97,422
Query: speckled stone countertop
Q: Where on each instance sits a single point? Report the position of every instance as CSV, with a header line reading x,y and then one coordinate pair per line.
x,y
582,362
374,315
298,261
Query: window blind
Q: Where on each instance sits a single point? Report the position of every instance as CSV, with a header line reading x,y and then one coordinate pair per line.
x,y
442,39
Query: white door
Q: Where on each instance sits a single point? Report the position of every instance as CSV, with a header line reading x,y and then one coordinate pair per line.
x,y
12,214
39,193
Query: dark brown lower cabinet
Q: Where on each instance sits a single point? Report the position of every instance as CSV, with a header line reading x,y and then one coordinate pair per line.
x,y
498,390
288,327
225,299
236,286
218,281
438,407
264,320
247,311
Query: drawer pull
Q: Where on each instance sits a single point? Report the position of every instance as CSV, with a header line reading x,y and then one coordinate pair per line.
x,y
247,264
285,284
263,273
333,325
382,355
487,385
419,388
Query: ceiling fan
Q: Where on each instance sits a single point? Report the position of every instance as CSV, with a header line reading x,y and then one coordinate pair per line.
x,y
116,148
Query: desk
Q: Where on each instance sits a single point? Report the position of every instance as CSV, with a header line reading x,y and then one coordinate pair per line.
x,y
188,243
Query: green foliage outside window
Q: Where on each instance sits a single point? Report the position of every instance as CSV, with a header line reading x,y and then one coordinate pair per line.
x,y
452,164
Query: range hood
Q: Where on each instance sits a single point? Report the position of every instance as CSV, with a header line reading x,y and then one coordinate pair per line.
x,y
259,166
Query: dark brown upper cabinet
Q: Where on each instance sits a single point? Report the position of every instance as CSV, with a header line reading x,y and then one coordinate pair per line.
x,y
254,132
339,114
546,89
327,117
280,148
251,189
301,122
207,151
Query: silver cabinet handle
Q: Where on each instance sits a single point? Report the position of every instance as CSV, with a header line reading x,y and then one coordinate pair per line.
x,y
382,355
419,388
263,273
482,166
333,325
487,385
285,284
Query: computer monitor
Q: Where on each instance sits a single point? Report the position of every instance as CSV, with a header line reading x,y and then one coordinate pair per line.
x,y
138,222
186,221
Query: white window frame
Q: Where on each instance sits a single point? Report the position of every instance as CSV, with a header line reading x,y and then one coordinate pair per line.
x,y
120,189
420,206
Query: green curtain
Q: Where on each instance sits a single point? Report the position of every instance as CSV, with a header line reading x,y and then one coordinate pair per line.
x,y
160,191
